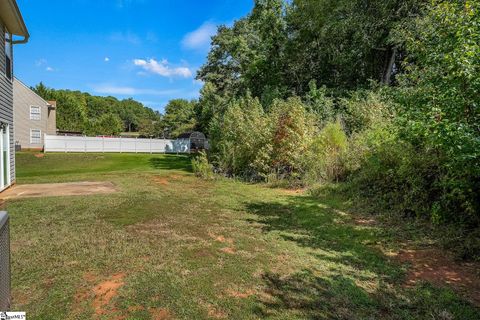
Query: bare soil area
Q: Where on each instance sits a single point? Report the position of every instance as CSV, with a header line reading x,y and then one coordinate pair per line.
x,y
58,189
436,267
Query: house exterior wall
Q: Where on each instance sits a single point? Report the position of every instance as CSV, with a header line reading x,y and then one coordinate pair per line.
x,y
6,99
23,98
52,118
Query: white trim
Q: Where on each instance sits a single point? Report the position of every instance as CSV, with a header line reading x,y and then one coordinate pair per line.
x,y
39,136
5,150
9,172
39,112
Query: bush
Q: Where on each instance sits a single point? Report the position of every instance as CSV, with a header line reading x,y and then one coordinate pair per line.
x,y
363,109
241,140
323,161
202,167
292,132
253,144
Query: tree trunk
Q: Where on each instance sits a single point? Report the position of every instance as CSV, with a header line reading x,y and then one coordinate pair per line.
x,y
387,76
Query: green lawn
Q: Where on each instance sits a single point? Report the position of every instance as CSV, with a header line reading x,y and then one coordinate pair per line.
x,y
171,246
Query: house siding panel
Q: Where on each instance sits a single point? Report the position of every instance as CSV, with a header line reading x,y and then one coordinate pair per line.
x,y
6,100
24,97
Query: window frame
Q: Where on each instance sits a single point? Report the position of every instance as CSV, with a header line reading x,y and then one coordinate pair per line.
x,y
32,141
8,53
39,112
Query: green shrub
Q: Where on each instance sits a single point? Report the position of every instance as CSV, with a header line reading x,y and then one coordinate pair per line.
x,y
202,167
323,160
251,143
292,132
319,103
364,108
241,140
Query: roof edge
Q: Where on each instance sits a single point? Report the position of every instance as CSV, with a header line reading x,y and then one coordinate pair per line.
x,y
20,29
29,89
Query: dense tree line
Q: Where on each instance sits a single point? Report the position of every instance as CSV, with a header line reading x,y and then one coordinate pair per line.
x,y
95,115
382,95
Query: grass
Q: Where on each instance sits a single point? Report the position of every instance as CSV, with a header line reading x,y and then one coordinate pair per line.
x,y
185,248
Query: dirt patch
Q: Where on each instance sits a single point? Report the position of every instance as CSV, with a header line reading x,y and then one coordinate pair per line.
x,y
165,180
106,291
221,238
159,313
228,250
240,294
161,180
440,269
294,191
39,155
58,189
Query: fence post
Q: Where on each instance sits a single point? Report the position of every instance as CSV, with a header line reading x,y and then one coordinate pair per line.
x,y
136,144
103,144
120,144
44,143
150,145
85,144
65,141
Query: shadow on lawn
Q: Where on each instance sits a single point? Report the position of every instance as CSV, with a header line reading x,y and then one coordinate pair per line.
x,y
353,262
172,162
313,297
313,224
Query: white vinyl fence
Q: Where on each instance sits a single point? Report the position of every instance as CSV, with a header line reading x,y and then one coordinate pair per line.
x,y
106,144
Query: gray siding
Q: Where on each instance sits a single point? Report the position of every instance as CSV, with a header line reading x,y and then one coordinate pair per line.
x,y
6,100
23,98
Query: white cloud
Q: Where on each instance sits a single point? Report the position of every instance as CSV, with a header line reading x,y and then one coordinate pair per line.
x,y
107,59
49,69
124,90
200,38
162,68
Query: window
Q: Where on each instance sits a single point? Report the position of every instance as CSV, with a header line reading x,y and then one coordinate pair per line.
x,y
35,136
35,113
8,55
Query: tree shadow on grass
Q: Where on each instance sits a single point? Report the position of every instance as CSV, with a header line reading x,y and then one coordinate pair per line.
x,y
353,263
307,296
172,162
312,224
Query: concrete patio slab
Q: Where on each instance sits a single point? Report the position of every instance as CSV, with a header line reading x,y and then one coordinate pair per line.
x,y
58,189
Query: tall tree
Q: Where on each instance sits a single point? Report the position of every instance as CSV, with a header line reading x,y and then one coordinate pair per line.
x,y
179,117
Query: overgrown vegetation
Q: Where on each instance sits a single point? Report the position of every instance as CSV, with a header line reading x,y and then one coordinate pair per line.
x,y
382,95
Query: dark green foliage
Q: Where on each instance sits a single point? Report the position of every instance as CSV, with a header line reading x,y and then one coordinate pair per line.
x,y
201,166
106,124
78,111
179,117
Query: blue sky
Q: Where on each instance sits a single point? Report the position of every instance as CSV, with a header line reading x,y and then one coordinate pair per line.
x,y
145,49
